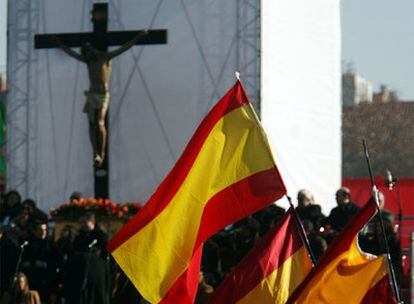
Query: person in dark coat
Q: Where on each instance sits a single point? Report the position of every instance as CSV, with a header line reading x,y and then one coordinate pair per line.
x,y
36,215
10,207
308,210
345,210
372,241
386,214
8,260
246,235
40,261
65,242
267,217
19,228
86,278
89,232
227,249
211,263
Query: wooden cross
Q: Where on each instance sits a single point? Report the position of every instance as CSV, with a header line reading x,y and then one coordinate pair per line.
x,y
100,39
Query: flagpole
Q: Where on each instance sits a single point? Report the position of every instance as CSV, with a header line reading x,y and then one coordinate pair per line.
x,y
252,113
379,215
302,232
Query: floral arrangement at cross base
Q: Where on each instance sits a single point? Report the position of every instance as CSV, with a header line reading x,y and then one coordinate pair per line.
x,y
100,207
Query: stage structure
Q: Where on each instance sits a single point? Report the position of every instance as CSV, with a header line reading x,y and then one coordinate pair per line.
x,y
22,108
159,93
288,54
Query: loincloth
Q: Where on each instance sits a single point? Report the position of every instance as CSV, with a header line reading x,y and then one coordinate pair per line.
x,y
95,102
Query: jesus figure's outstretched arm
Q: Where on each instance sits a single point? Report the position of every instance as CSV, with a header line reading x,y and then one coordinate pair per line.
x,y
127,46
68,50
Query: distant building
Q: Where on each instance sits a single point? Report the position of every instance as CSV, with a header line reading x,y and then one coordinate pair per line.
x,y
389,131
385,95
3,84
355,89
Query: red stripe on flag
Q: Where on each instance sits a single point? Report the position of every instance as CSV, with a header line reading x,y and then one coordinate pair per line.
x,y
184,289
227,205
381,293
234,98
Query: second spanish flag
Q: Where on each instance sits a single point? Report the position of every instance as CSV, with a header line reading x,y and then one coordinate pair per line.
x,y
271,271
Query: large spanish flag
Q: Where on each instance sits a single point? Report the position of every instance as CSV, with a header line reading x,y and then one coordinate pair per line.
x,y
225,173
344,274
271,271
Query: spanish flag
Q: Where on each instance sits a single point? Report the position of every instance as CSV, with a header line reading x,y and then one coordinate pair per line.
x,y
225,173
271,271
344,274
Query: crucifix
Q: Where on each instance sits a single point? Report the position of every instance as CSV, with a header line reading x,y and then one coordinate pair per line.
x,y
94,53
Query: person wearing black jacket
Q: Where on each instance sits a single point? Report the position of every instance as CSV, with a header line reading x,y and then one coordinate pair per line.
x,y
40,261
10,206
308,210
371,239
86,278
8,260
345,210
89,232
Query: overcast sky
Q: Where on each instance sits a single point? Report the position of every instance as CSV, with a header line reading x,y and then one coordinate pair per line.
x,y
377,37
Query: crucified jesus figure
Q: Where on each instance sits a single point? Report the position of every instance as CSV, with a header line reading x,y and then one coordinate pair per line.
x,y
99,64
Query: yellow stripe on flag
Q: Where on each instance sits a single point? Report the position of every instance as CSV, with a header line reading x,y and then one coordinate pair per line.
x,y
279,285
347,278
229,154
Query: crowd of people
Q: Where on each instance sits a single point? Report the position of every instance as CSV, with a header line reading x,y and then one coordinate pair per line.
x,y
75,267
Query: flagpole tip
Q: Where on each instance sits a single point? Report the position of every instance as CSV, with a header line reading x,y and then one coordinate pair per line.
x,y
237,74
290,200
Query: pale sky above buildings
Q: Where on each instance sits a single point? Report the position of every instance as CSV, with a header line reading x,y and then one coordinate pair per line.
x,y
377,38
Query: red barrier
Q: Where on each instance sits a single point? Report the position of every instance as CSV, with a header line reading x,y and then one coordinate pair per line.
x,y
361,190
403,192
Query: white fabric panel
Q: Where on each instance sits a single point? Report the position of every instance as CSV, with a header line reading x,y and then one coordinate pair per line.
x,y
155,104
301,108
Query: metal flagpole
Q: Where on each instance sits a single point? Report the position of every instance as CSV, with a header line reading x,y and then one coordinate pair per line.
x,y
379,215
301,231
251,112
